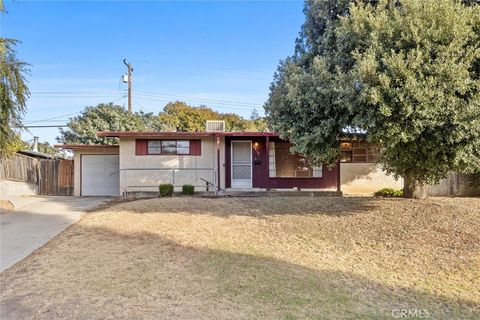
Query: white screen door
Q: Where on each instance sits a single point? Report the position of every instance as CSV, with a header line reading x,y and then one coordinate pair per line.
x,y
241,164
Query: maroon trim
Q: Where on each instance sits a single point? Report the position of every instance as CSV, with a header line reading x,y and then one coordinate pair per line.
x,y
83,146
195,147
249,134
267,157
259,160
218,163
228,162
141,147
81,165
260,177
339,182
183,134
259,163
148,134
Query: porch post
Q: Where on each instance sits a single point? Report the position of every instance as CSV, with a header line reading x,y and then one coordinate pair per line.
x,y
338,177
267,159
218,162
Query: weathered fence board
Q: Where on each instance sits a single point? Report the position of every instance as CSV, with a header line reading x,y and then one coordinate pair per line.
x,y
56,177
457,184
19,167
53,177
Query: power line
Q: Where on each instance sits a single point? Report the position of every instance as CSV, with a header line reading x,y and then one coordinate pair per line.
x,y
146,93
119,99
53,118
46,126
187,97
74,92
56,118
70,96
206,100
48,121
140,106
217,106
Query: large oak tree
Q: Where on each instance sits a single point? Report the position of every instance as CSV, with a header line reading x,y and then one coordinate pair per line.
x,y
405,72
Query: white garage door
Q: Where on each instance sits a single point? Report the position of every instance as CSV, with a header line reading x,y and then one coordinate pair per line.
x,y
100,175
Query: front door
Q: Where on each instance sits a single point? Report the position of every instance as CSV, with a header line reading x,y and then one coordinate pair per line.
x,y
241,164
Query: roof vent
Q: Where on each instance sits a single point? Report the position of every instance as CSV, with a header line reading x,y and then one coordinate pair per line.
x,y
215,126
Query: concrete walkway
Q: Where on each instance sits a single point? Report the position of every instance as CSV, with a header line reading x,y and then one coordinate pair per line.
x,y
35,220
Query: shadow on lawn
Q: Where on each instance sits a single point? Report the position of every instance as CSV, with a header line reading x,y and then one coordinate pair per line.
x,y
255,206
96,273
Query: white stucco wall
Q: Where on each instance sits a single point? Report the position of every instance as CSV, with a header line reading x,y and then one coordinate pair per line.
x,y
17,188
77,163
366,178
143,173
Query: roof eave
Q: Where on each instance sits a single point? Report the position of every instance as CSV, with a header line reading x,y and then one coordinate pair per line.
x,y
147,134
83,146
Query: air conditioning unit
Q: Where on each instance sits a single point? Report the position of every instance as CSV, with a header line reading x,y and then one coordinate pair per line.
x,y
215,126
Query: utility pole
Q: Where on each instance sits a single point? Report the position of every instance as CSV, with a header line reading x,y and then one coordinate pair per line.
x,y
130,70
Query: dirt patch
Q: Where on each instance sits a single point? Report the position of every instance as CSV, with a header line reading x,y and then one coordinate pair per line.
x,y
6,206
244,258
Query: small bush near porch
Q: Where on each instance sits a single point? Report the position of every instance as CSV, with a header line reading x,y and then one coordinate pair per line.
x,y
256,258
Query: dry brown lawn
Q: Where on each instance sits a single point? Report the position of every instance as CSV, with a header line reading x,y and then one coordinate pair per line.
x,y
256,258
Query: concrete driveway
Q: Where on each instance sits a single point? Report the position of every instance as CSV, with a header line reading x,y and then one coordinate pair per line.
x,y
36,220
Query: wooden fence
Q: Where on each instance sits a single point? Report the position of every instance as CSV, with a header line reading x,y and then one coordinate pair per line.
x,y
457,184
53,177
19,168
56,177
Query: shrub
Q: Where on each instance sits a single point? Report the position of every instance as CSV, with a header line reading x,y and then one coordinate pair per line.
x,y
188,189
166,190
388,192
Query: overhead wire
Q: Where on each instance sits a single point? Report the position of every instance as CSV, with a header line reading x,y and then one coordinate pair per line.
x,y
152,93
52,118
216,106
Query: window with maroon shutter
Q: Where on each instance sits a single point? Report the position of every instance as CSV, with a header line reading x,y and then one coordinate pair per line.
x,y
141,147
196,147
168,147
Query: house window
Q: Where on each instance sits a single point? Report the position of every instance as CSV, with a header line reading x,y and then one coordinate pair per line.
x,y
183,147
154,147
358,152
168,147
346,156
284,164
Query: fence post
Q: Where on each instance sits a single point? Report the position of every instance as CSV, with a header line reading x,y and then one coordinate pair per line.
x,y
39,176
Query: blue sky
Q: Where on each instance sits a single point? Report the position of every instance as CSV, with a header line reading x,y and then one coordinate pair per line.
x,y
220,53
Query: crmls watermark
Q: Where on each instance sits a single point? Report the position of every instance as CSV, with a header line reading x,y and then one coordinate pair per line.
x,y
411,313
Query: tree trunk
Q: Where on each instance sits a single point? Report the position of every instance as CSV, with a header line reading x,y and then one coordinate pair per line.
x,y
414,189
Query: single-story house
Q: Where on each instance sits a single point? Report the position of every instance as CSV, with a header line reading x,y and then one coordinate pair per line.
x,y
215,160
